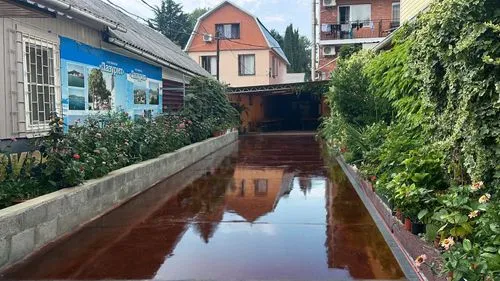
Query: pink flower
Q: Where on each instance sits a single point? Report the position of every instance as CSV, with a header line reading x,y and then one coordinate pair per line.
x,y
420,260
447,243
76,156
476,186
182,126
485,198
473,214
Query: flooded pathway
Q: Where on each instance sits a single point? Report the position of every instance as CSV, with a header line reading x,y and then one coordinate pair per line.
x,y
266,208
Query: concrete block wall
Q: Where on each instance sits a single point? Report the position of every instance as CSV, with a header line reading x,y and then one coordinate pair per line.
x,y
28,226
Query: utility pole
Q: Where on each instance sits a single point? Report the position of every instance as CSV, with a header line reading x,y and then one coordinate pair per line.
x,y
217,37
313,49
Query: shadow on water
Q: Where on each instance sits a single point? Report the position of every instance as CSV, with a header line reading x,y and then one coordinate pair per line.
x,y
266,208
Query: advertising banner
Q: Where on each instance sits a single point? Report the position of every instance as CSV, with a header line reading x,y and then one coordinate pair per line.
x,y
96,81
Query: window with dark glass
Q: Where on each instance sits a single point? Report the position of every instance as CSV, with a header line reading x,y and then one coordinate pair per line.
x,y
246,65
260,187
229,31
209,63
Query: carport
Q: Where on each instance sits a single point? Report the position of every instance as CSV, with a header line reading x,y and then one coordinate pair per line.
x,y
280,107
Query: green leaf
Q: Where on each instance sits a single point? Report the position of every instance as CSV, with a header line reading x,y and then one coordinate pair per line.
x,y
422,214
467,245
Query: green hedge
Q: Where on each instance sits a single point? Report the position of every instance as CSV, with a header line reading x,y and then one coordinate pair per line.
x,y
422,121
106,142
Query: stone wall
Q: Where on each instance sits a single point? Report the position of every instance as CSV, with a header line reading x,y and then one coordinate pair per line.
x,y
29,226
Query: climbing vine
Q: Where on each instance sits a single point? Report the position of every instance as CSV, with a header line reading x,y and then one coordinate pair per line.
x,y
436,153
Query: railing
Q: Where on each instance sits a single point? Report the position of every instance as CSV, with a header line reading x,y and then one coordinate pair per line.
x,y
358,29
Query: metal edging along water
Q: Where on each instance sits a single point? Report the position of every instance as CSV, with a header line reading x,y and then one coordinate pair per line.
x,y
403,259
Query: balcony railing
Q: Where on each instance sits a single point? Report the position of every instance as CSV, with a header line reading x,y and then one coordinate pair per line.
x,y
357,29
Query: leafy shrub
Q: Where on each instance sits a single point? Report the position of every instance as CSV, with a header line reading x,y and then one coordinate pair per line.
x,y
441,139
106,142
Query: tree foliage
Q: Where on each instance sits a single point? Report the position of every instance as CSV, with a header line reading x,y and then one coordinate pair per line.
x,y
170,19
297,49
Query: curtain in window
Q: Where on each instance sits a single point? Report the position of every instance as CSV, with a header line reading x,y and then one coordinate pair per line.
x,y
247,65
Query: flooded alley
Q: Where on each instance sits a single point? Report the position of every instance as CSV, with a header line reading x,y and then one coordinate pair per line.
x,y
268,207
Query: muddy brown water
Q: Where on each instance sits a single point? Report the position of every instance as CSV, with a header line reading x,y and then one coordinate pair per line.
x,y
265,208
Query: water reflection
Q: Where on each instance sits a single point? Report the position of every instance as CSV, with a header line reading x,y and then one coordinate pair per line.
x,y
265,210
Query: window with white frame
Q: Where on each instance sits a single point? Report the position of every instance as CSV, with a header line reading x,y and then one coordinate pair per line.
x,y
396,12
246,65
355,13
40,64
209,63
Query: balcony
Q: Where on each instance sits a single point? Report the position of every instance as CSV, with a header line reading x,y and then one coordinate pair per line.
x,y
350,31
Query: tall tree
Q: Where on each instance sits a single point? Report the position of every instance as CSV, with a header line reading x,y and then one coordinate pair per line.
x,y
171,21
194,15
298,50
277,36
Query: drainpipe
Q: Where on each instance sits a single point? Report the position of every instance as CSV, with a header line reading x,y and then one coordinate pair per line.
x,y
67,8
142,53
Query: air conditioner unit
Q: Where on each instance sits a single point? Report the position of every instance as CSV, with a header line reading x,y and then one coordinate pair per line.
x,y
329,51
207,37
329,3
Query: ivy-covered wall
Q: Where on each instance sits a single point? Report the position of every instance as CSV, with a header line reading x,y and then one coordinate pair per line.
x,y
422,121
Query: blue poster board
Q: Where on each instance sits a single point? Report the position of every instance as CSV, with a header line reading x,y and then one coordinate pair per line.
x,y
94,80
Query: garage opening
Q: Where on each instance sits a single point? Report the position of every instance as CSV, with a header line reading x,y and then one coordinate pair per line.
x,y
291,113
280,107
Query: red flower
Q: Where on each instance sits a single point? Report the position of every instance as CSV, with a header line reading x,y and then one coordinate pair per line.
x,y
373,178
343,149
76,156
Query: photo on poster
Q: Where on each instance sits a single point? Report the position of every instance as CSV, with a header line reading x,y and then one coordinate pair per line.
x,y
99,96
76,99
154,93
76,76
139,94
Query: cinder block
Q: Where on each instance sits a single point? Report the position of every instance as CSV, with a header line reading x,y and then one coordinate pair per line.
x,y
67,222
34,216
10,225
45,232
4,251
22,244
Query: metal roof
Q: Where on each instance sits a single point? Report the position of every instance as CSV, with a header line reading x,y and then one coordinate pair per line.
x,y
277,89
136,35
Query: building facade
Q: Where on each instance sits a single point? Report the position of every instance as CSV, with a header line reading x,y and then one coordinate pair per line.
x,y
56,53
349,22
249,55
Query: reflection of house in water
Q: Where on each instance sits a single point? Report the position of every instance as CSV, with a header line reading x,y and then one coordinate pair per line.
x,y
257,190
353,241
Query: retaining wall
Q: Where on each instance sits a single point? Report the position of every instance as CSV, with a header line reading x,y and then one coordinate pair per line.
x,y
408,246
28,226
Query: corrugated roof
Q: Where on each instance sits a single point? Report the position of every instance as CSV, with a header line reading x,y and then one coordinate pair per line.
x,y
272,41
139,35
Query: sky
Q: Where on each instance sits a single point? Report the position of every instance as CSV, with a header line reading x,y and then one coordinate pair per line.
x,y
275,14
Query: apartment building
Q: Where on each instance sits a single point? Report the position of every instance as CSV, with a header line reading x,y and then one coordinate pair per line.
x,y
249,55
348,22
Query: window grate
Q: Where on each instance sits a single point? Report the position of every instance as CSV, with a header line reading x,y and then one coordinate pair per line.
x,y
40,66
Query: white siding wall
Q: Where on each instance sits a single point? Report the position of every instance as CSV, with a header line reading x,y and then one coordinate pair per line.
x,y
410,8
12,112
12,104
